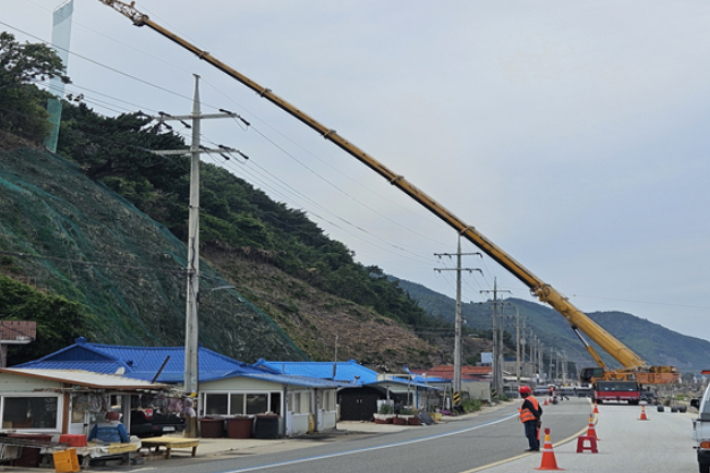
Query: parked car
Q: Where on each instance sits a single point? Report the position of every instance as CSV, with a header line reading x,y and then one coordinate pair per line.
x,y
701,430
149,423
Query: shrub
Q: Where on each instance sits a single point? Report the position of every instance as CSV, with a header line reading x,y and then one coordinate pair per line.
x,y
471,405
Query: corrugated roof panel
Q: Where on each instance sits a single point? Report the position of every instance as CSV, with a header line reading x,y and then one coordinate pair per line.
x,y
85,378
302,381
345,371
141,362
104,367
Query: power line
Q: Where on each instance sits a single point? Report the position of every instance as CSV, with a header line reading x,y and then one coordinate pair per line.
x,y
260,133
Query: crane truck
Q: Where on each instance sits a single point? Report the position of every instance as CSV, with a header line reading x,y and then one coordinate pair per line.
x,y
633,367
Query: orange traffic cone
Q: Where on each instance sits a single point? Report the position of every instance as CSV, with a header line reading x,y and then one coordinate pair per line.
x,y
591,430
643,413
545,403
596,411
548,456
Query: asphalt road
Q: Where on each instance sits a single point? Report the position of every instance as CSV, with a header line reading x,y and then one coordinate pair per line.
x,y
452,447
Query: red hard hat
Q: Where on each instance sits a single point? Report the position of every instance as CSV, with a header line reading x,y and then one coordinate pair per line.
x,y
525,390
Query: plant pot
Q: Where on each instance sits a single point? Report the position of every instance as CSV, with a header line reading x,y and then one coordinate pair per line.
x,y
383,418
414,420
399,421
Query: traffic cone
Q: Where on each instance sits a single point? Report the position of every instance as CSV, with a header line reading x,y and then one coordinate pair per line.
x,y
545,403
591,430
548,456
596,411
643,413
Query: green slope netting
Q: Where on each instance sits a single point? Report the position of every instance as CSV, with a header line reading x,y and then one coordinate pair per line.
x,y
88,244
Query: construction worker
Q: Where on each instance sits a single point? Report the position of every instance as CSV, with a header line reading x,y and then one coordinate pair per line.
x,y
530,415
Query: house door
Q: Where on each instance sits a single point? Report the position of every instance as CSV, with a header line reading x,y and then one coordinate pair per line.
x,y
359,406
80,420
319,411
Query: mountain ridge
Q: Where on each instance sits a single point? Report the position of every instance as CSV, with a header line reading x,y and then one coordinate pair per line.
x,y
655,344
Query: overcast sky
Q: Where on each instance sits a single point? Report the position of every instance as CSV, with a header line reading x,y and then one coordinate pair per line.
x,y
574,135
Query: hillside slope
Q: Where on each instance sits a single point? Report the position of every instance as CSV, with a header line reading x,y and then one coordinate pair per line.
x,y
656,344
78,239
66,234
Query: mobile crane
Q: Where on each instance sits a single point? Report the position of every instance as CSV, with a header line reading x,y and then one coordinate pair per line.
x,y
634,368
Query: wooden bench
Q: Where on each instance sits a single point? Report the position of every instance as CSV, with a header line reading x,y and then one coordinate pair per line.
x,y
169,443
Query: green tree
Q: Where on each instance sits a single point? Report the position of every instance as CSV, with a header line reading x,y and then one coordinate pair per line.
x,y
59,321
21,65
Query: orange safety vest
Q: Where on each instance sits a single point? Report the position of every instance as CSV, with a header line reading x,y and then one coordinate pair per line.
x,y
525,414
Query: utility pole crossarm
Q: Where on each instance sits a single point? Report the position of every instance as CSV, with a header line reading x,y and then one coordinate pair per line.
x,y
166,117
172,152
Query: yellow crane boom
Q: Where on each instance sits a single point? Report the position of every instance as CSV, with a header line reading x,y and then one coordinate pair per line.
x,y
579,321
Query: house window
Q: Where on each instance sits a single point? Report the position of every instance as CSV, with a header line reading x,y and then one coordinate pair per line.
x,y
30,412
241,403
295,403
236,404
305,404
215,404
328,400
256,403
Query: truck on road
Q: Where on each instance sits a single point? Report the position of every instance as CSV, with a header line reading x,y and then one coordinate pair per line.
x,y
617,391
701,429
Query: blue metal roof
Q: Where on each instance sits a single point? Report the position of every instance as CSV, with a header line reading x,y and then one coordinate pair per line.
x,y
302,381
142,362
345,371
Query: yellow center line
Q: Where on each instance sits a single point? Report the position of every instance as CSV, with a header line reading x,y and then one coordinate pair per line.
x,y
523,455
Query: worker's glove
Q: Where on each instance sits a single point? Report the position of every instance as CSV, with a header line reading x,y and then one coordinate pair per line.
x,y
539,423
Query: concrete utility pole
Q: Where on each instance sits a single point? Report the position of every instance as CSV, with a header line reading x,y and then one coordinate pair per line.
x,y
564,367
497,340
517,344
335,357
193,243
523,342
517,339
540,357
533,363
458,321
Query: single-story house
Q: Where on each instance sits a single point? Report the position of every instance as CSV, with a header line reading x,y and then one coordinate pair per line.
x,y
475,380
357,400
63,401
227,387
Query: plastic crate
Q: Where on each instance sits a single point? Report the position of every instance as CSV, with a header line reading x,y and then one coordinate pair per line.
x,y
66,461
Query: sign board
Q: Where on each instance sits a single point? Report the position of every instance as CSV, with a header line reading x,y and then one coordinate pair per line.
x,y
487,358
